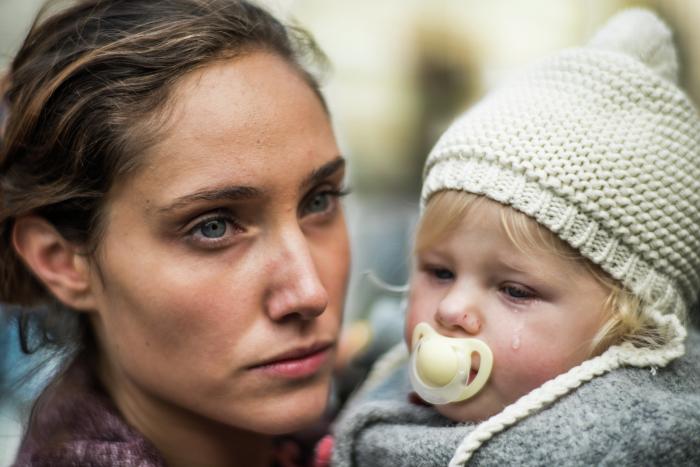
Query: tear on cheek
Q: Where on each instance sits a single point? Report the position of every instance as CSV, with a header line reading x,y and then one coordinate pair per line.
x,y
517,340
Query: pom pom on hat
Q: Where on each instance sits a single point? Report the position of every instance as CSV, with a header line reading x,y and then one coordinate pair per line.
x,y
641,34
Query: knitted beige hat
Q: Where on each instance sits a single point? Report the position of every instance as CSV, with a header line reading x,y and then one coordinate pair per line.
x,y
599,145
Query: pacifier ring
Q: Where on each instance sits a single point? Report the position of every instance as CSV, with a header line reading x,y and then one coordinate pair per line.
x,y
441,366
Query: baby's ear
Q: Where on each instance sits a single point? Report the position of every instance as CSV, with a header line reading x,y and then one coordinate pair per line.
x,y
57,263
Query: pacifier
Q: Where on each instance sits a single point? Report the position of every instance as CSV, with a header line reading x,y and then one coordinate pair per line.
x,y
440,366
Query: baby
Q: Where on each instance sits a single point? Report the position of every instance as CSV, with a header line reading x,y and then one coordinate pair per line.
x,y
556,257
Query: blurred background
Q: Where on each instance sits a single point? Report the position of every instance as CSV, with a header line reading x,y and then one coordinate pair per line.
x,y
401,71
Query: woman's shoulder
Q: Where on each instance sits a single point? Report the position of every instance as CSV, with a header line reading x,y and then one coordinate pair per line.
x,y
74,422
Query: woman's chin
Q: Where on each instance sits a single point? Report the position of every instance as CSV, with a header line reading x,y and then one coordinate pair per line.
x,y
300,409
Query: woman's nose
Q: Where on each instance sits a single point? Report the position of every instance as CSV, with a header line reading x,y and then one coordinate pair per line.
x,y
460,311
295,288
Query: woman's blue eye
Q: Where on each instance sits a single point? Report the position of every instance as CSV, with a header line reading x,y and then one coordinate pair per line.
x,y
215,228
320,202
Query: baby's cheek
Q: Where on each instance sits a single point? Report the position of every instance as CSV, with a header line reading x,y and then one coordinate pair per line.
x,y
518,371
409,324
416,312
538,373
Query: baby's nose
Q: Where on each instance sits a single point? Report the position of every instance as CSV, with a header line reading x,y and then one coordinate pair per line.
x,y
460,311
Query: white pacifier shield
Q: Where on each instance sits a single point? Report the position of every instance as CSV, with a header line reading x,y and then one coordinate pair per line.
x,y
440,366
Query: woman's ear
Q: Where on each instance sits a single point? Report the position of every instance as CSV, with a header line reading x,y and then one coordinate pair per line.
x,y
56,262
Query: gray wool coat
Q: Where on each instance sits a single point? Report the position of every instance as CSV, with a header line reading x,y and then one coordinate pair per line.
x,y
629,417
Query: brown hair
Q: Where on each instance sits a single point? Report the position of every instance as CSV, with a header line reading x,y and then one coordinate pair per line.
x,y
87,92
626,319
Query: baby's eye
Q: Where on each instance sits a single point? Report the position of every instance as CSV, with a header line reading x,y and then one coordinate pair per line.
x,y
515,292
441,274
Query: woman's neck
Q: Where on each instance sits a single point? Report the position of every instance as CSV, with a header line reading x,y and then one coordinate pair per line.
x,y
187,439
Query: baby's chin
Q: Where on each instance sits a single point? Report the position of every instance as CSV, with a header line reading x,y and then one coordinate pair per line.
x,y
472,410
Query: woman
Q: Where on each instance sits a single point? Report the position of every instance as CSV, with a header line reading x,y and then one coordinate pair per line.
x,y
170,177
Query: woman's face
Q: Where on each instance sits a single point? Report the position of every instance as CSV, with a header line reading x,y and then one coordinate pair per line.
x,y
221,275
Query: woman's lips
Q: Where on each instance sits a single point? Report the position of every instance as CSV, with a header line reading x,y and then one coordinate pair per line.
x,y
297,363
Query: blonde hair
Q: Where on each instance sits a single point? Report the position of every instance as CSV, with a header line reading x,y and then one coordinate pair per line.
x,y
626,319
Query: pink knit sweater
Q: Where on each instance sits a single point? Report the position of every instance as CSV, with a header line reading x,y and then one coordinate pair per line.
x,y
75,423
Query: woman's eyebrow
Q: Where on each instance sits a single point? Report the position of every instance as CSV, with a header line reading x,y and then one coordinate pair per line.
x,y
240,193
231,193
323,172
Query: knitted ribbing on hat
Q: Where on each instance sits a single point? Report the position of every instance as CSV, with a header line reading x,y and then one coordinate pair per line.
x,y
600,146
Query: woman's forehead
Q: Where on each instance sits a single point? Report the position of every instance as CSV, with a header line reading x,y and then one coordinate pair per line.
x,y
246,93
250,122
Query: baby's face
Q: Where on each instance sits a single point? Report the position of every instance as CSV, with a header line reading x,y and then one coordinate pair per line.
x,y
537,312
